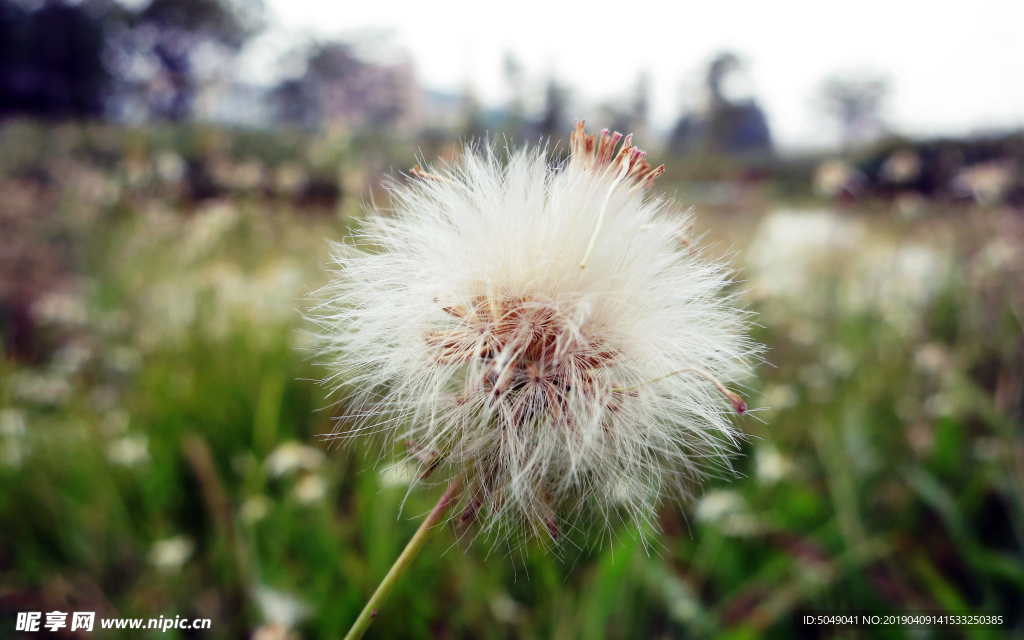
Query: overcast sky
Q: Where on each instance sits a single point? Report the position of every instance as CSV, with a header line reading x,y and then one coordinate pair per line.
x,y
954,67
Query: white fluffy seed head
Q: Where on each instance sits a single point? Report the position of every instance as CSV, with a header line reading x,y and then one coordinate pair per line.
x,y
542,334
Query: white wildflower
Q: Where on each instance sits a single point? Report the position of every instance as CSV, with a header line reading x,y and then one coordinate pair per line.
x,y
292,456
505,609
280,608
169,554
70,358
540,334
129,451
780,396
728,512
171,167
44,389
310,488
12,423
290,178
13,448
933,357
835,178
64,309
792,249
718,504
255,509
772,466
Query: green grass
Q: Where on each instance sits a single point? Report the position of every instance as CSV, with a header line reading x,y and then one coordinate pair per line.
x,y
887,474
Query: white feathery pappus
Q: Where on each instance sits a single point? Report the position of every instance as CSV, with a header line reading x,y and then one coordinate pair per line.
x,y
541,333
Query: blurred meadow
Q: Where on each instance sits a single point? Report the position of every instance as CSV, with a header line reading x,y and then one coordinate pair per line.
x,y
161,445
162,433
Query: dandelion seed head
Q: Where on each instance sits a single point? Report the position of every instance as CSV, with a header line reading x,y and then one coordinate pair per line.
x,y
541,333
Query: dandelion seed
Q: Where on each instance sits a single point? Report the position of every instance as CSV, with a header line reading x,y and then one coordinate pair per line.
x,y
539,337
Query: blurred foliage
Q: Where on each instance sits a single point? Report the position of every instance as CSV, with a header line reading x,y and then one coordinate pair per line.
x,y
123,61
855,101
51,59
160,436
726,126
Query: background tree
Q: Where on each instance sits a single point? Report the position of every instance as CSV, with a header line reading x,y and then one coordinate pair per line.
x,y
552,124
731,123
630,115
339,86
515,120
51,58
152,51
473,125
854,99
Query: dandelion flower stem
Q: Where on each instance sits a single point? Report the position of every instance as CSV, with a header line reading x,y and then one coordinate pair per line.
x,y
369,612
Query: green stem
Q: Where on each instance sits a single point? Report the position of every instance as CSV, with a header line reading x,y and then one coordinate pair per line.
x,y
369,612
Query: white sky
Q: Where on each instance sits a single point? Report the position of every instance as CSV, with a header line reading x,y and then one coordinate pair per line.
x,y
954,67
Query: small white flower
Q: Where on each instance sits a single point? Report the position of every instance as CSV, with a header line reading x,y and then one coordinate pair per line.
x,y
505,609
169,554
543,334
772,466
255,509
780,396
130,451
171,167
12,423
62,309
290,457
791,250
718,504
290,178
310,488
280,608
13,448
69,359
727,510
932,357
43,389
